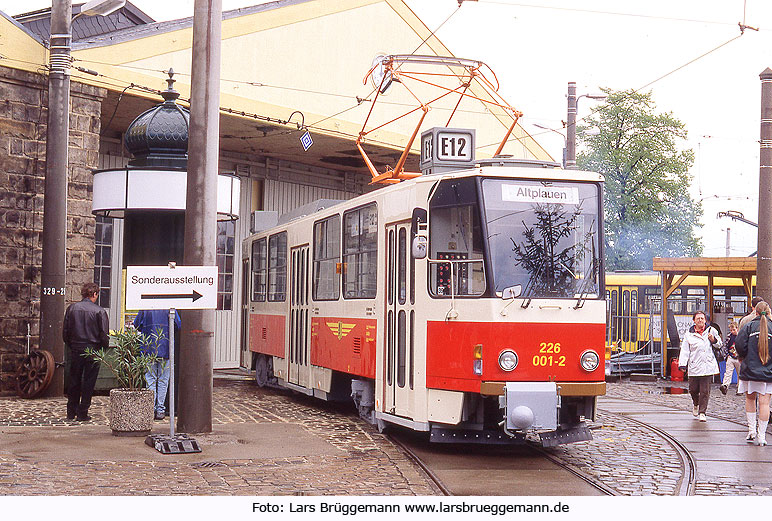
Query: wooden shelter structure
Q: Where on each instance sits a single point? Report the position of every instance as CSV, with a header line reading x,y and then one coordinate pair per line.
x,y
674,271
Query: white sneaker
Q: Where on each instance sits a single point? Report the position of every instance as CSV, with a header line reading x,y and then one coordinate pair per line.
x,y
762,442
703,418
751,437
695,410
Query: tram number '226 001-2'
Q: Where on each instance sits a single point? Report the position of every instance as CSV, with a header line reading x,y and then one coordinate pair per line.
x,y
549,355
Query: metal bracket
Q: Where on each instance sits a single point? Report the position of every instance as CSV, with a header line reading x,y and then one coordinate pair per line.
x,y
559,437
177,444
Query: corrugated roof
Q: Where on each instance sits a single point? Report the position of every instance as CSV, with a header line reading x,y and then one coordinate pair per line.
x,y
142,31
84,26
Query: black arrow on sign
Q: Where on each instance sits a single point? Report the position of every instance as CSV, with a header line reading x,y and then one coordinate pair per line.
x,y
195,295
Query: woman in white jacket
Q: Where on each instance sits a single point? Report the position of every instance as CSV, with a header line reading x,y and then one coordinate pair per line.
x,y
697,357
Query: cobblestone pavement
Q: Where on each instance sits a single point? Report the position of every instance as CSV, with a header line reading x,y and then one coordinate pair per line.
x,y
730,407
633,460
367,464
624,455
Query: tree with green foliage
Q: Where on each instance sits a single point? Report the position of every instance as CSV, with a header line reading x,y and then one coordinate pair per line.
x,y
648,210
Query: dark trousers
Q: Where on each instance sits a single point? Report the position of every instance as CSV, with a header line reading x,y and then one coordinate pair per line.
x,y
81,381
699,388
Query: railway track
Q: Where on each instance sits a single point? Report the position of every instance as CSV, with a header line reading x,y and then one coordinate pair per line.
x,y
470,470
484,470
688,481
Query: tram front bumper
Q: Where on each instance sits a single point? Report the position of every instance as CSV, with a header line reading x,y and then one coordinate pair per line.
x,y
535,406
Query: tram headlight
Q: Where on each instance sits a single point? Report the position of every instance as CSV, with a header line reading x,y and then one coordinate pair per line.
x,y
508,360
589,360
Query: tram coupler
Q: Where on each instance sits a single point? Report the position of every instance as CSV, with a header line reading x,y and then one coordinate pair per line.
x,y
530,406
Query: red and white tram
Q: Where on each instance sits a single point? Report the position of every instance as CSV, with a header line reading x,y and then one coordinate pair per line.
x,y
469,304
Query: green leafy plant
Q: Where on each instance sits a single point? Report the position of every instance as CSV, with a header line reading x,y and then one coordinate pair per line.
x,y
126,358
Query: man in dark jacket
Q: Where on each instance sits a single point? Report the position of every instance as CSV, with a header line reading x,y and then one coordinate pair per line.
x,y
85,325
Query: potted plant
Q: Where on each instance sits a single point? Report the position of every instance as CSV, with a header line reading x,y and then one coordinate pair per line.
x,y
132,404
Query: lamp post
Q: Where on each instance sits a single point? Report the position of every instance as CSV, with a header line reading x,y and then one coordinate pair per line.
x,y
764,260
54,239
573,102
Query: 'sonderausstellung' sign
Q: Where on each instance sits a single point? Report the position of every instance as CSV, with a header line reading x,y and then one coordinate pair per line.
x,y
163,287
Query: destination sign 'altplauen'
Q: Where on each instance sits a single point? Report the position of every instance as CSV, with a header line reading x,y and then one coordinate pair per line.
x,y
165,287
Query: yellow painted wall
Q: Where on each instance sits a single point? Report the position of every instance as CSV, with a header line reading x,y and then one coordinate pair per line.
x,y
310,57
18,49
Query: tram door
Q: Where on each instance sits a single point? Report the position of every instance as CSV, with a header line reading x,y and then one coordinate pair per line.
x,y
627,319
298,371
246,354
397,377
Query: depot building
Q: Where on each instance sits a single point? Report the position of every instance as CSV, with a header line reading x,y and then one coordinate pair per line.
x,y
292,103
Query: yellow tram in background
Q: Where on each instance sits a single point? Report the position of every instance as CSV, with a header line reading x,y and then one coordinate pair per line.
x,y
633,307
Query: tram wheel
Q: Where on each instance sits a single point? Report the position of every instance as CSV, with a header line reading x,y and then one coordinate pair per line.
x,y
35,373
263,370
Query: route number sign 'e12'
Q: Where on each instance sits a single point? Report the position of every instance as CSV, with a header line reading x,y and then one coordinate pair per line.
x,y
164,287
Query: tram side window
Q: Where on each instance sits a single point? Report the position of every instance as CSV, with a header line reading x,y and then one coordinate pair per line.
x,y
277,267
259,270
695,300
326,259
360,256
649,294
675,302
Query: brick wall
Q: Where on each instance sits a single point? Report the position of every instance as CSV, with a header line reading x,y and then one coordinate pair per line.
x,y
23,118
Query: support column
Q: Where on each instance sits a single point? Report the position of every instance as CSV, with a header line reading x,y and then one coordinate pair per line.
x,y
52,277
764,260
197,344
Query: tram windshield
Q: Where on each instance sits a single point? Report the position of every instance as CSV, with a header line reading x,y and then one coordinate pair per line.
x,y
543,236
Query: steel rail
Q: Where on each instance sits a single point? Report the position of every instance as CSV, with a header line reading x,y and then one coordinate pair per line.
x,y
417,460
686,486
590,480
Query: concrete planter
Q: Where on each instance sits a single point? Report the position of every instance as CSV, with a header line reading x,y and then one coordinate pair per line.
x,y
131,411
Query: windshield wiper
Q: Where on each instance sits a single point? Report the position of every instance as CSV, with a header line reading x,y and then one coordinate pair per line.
x,y
530,285
584,289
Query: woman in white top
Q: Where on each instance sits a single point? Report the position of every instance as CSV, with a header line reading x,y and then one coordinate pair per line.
x,y
697,357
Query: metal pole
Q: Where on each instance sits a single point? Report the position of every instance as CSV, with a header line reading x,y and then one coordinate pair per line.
x,y
663,327
201,214
764,260
728,248
571,127
54,245
172,312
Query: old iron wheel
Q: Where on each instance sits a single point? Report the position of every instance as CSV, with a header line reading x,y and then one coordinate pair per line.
x,y
35,373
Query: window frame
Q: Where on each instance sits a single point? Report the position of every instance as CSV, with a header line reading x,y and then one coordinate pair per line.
x,y
258,292
352,259
277,268
319,261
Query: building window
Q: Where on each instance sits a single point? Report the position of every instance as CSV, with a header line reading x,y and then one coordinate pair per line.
x,y
327,259
259,270
226,251
103,258
360,258
277,267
